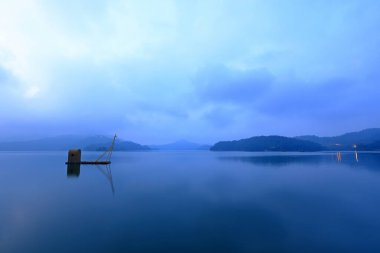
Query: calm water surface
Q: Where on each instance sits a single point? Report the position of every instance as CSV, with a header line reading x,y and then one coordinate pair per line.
x,y
190,202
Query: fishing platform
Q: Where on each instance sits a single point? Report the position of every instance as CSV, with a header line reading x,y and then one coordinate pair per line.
x,y
74,156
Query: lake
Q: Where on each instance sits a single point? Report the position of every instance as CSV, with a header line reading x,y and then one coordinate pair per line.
x,y
196,201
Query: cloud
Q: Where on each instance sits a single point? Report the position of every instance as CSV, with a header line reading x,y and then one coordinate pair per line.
x,y
8,89
332,98
305,99
4,75
163,70
225,95
220,84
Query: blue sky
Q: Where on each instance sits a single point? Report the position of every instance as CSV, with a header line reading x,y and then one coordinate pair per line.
x,y
158,71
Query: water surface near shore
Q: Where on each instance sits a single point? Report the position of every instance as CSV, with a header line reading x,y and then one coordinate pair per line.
x,y
190,202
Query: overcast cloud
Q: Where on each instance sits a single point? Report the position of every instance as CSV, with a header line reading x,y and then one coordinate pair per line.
x,y
158,71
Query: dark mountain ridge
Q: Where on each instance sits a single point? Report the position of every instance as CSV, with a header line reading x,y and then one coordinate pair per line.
x,y
65,142
367,139
119,146
268,143
363,140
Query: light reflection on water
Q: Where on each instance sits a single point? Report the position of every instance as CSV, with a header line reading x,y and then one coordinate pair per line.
x,y
191,202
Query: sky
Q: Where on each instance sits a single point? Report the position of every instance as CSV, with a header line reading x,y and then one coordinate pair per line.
x,y
208,70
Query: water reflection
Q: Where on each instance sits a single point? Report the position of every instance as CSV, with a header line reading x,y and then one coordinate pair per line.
x,y
106,171
368,160
277,160
192,202
339,156
73,171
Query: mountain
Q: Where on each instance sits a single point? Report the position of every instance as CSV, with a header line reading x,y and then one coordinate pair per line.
x,y
64,142
346,141
374,146
180,145
119,146
268,143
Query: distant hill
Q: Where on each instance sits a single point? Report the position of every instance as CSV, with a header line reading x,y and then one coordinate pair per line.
x,y
180,145
374,146
119,146
268,143
368,140
346,141
66,142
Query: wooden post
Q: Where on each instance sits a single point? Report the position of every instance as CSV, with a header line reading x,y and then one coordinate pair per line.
x,y
74,156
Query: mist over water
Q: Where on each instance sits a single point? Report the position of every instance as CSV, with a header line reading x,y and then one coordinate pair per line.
x,y
190,202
